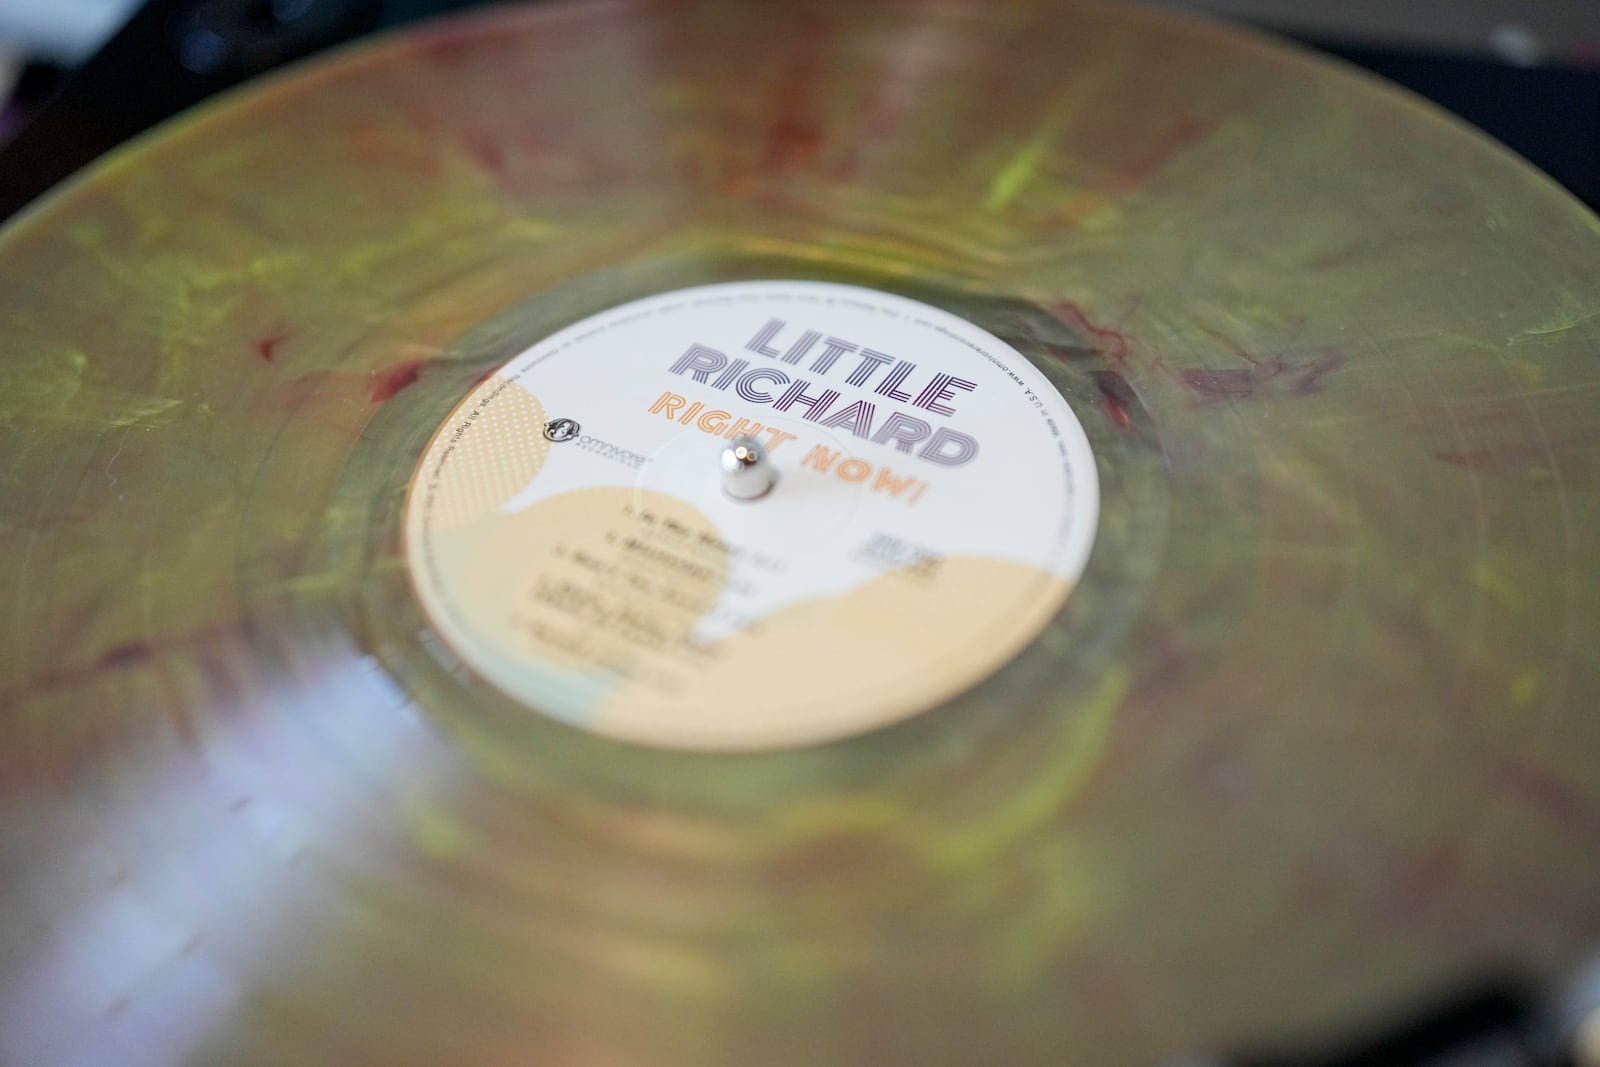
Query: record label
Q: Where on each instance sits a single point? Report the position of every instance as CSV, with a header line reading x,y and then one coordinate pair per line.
x,y
569,533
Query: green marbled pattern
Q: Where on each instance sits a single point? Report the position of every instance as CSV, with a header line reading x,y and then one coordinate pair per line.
x,y
1316,734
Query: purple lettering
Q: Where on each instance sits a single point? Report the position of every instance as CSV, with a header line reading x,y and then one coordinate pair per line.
x,y
902,431
870,361
801,347
889,387
700,362
758,343
939,389
816,406
857,417
949,448
746,385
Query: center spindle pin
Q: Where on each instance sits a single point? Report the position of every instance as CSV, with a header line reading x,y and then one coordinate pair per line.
x,y
747,473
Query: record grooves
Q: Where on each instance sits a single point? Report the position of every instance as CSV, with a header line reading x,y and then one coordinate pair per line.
x,y
1170,628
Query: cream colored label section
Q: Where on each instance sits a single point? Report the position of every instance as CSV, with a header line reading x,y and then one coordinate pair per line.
x,y
568,536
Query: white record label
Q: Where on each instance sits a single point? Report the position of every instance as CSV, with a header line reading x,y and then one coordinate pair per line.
x,y
569,536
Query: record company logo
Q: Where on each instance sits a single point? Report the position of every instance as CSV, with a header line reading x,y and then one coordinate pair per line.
x,y
562,430
559,430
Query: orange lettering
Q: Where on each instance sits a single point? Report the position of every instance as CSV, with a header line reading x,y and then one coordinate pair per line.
x,y
668,403
854,470
713,421
887,482
778,438
820,458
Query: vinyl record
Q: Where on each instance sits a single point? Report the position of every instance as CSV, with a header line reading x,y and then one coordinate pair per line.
x,y
1172,627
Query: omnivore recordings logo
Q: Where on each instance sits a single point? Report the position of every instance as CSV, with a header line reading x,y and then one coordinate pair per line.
x,y
559,430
